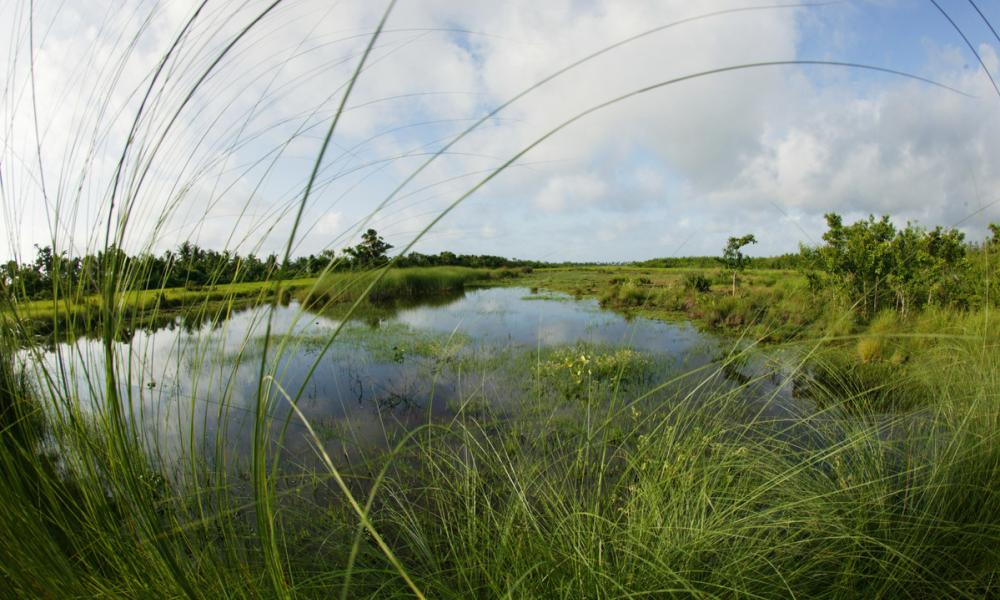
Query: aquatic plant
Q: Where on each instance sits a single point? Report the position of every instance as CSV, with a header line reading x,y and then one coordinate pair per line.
x,y
576,369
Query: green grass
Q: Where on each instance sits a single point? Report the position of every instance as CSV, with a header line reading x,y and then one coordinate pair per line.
x,y
394,284
772,305
164,298
594,471
79,315
606,474
594,492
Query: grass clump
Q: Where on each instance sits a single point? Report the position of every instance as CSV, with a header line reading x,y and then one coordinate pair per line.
x,y
395,284
869,349
697,282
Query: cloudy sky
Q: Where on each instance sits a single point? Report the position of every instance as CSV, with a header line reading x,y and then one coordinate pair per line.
x,y
234,101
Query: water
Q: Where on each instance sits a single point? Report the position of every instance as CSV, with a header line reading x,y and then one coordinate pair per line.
x,y
194,390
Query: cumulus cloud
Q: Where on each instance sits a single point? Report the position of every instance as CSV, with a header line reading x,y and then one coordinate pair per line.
x,y
675,170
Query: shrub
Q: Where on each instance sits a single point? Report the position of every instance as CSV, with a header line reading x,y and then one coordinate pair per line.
x,y
697,282
630,294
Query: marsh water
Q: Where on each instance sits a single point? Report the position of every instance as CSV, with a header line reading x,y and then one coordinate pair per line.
x,y
194,387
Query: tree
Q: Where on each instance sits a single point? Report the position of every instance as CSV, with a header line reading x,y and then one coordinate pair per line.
x,y
371,251
733,257
878,266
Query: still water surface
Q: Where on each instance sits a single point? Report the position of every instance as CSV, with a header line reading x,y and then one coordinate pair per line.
x,y
195,389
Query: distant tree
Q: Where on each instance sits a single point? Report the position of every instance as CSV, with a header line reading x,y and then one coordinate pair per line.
x,y
371,251
995,230
45,261
270,265
733,257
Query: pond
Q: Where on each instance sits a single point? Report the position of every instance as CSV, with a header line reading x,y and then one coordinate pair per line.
x,y
488,351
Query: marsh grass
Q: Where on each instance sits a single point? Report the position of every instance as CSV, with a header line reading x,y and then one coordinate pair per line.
x,y
649,488
394,284
882,481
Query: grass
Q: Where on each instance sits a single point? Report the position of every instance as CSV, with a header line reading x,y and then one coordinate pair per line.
x,y
71,316
771,304
394,284
591,471
864,462
599,491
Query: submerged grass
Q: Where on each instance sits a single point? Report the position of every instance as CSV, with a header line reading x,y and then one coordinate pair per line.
x,y
874,477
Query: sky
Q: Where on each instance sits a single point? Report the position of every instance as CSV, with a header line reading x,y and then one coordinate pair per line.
x,y
151,123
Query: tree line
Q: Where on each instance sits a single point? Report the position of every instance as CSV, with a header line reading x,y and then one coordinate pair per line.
x,y
875,264
190,265
790,260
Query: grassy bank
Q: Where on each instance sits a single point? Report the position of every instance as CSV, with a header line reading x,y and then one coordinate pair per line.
x,y
883,363
770,305
396,284
774,305
165,298
70,316
79,315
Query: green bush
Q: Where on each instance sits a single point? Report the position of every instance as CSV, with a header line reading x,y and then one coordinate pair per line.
x,y
697,282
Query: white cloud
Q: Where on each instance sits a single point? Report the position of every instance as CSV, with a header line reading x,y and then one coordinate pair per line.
x,y
767,149
570,192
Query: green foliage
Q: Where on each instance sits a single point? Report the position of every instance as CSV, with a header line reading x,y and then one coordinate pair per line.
x,y
192,267
395,284
371,252
475,261
625,294
733,257
697,282
782,261
683,486
575,370
878,266
574,489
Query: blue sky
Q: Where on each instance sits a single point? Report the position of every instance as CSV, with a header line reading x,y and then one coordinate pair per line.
x,y
674,171
895,32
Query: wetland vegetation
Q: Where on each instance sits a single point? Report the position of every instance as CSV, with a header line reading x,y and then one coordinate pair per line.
x,y
483,423
363,423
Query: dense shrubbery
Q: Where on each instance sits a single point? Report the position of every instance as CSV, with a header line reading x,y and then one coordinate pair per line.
x,y
878,266
862,270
